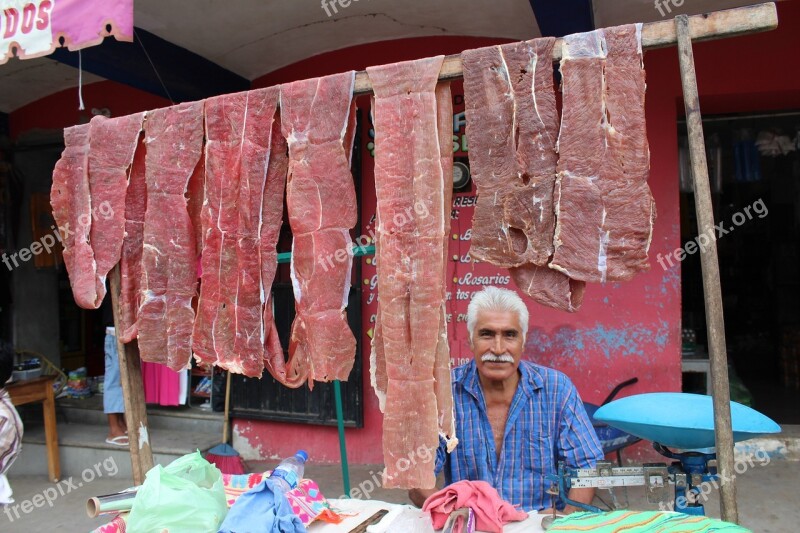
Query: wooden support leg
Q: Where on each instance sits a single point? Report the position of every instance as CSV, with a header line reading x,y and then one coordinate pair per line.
x,y
711,284
51,434
130,373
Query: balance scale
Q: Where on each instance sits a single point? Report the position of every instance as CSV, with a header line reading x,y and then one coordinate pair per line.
x,y
669,420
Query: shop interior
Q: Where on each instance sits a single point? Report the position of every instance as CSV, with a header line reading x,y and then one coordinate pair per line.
x,y
754,169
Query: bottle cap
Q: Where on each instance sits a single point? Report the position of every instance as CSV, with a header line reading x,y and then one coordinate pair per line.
x,y
301,454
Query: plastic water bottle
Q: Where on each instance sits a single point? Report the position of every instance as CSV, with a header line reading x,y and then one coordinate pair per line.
x,y
289,473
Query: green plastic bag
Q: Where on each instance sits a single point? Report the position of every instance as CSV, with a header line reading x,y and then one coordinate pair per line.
x,y
186,496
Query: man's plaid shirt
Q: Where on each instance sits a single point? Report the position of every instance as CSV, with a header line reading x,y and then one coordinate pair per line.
x,y
546,423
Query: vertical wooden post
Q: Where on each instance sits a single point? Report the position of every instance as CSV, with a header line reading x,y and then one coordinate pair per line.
x,y
130,373
711,282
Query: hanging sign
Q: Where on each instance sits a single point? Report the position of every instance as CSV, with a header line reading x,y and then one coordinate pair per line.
x,y
34,28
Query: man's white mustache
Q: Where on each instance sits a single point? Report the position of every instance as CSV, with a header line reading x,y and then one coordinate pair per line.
x,y
489,357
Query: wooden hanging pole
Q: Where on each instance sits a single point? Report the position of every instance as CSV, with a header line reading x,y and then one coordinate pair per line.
x,y
708,26
130,374
710,267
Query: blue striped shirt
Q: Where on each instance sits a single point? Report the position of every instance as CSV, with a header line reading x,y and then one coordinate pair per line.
x,y
546,423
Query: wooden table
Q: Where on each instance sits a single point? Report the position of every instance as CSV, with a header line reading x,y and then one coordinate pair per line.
x,y
41,390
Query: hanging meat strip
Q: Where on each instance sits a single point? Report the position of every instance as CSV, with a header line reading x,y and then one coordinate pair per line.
x,y
174,137
72,211
605,209
442,377
112,143
318,120
512,125
410,184
441,368
272,211
130,263
230,329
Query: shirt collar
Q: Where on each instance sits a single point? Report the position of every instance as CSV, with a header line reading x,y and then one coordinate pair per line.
x,y
530,378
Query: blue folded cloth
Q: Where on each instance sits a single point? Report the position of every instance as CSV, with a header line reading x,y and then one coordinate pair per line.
x,y
262,509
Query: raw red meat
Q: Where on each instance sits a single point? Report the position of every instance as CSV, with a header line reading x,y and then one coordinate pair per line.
x,y
605,211
230,330
174,138
316,118
441,368
130,263
549,287
272,210
512,124
72,211
410,184
112,142
441,371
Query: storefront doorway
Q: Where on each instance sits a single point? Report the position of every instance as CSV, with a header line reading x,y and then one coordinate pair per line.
x,y
754,166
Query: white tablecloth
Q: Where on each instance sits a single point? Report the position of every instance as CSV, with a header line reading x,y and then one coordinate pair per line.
x,y
401,518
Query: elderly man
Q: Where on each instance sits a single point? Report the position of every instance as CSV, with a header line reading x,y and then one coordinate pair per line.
x,y
515,419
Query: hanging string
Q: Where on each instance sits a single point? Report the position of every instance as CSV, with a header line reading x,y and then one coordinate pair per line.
x,y
153,65
80,82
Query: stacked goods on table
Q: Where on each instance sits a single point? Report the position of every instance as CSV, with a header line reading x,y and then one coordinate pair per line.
x,y
197,190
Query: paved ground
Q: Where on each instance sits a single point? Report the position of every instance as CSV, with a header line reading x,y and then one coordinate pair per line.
x,y
768,497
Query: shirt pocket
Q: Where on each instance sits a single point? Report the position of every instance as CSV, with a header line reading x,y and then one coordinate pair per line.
x,y
538,455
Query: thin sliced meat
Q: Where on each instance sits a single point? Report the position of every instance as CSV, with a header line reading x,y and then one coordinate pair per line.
x,y
230,330
605,212
377,362
377,357
130,263
410,185
549,287
174,138
251,297
630,204
316,119
196,196
270,232
512,125
441,369
72,211
112,143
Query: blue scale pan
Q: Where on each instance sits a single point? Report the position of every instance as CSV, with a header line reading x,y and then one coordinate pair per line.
x,y
680,420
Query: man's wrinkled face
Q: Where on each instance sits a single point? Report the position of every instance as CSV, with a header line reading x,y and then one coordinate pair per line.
x,y
497,344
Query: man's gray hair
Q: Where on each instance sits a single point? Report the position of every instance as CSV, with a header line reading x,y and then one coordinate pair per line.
x,y
496,299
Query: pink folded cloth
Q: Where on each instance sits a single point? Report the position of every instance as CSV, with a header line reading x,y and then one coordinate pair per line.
x,y
491,511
